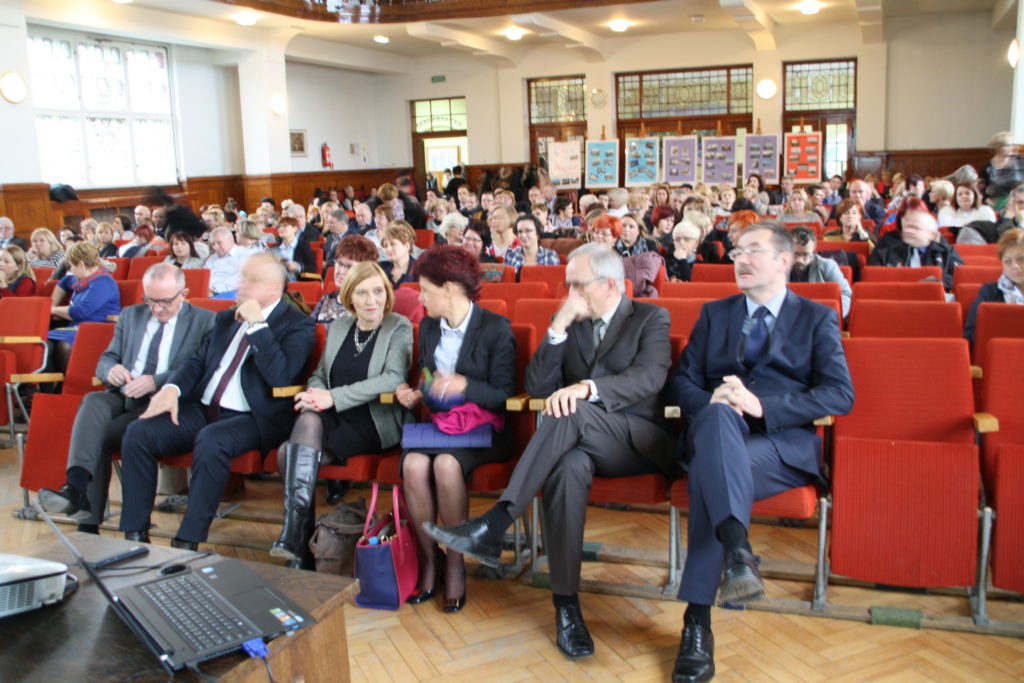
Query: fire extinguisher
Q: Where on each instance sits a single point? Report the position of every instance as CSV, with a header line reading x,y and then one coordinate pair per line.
x,y
325,156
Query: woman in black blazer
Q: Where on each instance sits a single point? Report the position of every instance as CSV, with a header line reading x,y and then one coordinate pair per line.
x,y
294,253
1009,288
470,353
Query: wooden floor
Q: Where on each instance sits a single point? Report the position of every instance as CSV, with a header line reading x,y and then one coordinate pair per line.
x,y
506,633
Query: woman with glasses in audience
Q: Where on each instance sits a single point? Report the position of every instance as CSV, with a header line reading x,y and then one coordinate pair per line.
x,y
340,415
46,251
352,249
529,252
16,277
398,241
679,262
641,269
105,240
632,240
183,251
467,359
1009,288
94,297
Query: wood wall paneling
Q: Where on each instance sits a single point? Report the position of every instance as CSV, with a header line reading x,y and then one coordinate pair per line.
x,y
216,189
28,205
928,162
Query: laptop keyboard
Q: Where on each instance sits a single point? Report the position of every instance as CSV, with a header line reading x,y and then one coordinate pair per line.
x,y
197,612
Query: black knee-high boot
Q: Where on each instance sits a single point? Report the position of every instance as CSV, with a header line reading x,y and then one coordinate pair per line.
x,y
301,465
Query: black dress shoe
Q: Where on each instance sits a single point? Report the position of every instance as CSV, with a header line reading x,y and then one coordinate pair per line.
x,y
184,545
740,581
137,536
336,491
419,596
573,637
67,501
473,537
696,658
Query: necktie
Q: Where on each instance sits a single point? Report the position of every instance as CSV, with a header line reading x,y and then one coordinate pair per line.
x,y
213,412
598,333
153,353
757,338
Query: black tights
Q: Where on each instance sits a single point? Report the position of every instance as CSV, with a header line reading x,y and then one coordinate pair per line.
x,y
308,431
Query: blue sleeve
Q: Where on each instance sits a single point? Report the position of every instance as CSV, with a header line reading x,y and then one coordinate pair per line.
x,y
99,300
67,282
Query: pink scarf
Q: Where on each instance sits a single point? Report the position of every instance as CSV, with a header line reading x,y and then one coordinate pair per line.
x,y
467,417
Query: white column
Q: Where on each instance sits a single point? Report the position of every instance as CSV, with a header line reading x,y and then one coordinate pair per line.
x,y
19,158
1017,107
261,80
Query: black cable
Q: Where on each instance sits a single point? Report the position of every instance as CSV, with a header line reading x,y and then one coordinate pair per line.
x,y
270,674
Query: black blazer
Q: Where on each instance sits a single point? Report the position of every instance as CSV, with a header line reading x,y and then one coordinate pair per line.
x,y
108,250
988,292
303,255
277,357
18,242
487,358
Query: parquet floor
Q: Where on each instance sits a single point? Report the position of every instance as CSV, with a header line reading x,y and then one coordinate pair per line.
x,y
505,633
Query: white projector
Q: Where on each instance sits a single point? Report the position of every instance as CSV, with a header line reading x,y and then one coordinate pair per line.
x,y
27,583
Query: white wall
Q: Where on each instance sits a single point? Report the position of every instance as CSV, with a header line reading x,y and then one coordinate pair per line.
x,y
209,122
949,82
336,106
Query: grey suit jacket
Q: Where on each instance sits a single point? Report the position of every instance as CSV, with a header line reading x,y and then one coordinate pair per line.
x,y
389,367
629,369
826,270
193,325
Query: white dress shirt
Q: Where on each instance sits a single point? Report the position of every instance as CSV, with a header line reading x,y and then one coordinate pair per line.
x,y
234,396
554,338
164,355
225,271
446,355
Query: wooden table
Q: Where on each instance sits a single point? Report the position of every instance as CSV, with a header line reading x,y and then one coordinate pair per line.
x,y
82,640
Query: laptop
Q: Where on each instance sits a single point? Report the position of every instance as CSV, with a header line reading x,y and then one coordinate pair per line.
x,y
187,615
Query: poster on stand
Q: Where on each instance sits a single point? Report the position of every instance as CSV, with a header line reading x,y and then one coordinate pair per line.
x,y
679,158
761,156
803,156
564,164
718,159
642,161
602,163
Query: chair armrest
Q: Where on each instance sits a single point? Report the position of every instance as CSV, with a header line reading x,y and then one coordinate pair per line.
x,y
986,423
536,404
517,403
97,382
287,392
112,318
976,372
37,377
310,276
673,412
388,398
21,340
845,334
826,421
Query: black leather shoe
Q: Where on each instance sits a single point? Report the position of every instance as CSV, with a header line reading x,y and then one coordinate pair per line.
x,y
696,658
472,537
420,596
573,637
137,536
184,545
740,581
337,490
67,501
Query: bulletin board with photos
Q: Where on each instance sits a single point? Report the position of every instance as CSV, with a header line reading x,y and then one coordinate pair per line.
x,y
642,161
761,156
803,156
718,159
680,159
602,169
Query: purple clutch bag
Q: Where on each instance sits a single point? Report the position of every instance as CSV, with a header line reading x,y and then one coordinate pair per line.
x,y
427,435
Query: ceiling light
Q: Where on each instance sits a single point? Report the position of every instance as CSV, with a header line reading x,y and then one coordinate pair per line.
x,y
1013,54
383,40
619,25
245,17
278,104
766,89
809,6
123,2
13,87
514,33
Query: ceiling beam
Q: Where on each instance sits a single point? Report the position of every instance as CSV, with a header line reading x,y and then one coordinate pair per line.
x,y
752,19
463,40
589,45
872,20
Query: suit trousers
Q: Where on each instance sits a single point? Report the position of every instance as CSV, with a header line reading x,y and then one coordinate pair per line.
x,y
729,469
213,445
99,426
562,458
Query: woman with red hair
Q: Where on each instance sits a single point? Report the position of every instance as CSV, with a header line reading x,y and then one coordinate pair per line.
x,y
140,244
641,269
663,219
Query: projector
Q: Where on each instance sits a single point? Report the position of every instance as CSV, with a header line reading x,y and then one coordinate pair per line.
x,y
27,583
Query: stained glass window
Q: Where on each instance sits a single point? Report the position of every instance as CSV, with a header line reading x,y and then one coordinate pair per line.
x,y
433,116
558,100
686,92
813,86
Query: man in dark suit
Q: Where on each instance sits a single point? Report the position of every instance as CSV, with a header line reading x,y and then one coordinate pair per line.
x,y
226,407
7,236
149,340
759,368
602,366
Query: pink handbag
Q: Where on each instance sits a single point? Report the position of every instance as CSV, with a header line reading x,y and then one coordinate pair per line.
x,y
386,562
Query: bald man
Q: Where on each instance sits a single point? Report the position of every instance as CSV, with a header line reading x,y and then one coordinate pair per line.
x,y
219,404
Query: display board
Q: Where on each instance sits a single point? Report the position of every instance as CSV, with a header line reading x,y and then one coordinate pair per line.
x,y
761,156
564,164
804,157
679,157
718,159
602,163
642,161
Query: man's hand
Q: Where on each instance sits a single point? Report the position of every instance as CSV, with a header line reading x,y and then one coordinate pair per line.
x,y
573,308
408,396
118,376
739,397
563,402
165,401
249,311
314,399
140,386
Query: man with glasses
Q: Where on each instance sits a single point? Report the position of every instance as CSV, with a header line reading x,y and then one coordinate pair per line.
x,y
601,367
149,340
758,369
810,267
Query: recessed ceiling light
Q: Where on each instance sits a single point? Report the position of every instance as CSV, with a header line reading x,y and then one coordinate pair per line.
x,y
619,25
514,33
809,6
383,40
245,17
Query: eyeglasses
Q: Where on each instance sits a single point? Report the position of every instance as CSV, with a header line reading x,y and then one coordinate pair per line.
x,y
581,284
163,303
750,252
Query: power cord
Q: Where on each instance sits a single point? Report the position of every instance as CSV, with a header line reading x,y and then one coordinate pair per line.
x,y
257,649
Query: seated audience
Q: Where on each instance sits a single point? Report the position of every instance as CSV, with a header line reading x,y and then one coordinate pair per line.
x,y
140,243
562,217
46,251
183,252
912,187
738,221
94,297
679,261
352,249
7,236
105,240
340,414
968,208
851,228
336,227
663,220
529,252
224,263
617,202
1009,288
726,199
16,277
438,208
363,220
816,200
452,228
917,243
1004,171
798,209
633,241
455,381
123,226
249,236
641,269
293,253
398,241
501,222
810,267
865,194
476,239
88,229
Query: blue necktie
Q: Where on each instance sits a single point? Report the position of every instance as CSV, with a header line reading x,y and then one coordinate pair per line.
x,y
757,338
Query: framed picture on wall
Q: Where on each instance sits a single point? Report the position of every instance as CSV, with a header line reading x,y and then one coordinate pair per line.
x,y
297,140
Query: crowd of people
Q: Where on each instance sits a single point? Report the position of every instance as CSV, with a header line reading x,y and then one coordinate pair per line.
x,y
183,379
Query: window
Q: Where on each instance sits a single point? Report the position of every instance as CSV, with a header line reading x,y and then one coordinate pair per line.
x,y
103,111
813,86
685,92
558,100
438,116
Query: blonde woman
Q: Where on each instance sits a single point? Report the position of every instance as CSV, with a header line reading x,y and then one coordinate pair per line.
x,y
16,277
46,251
798,209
